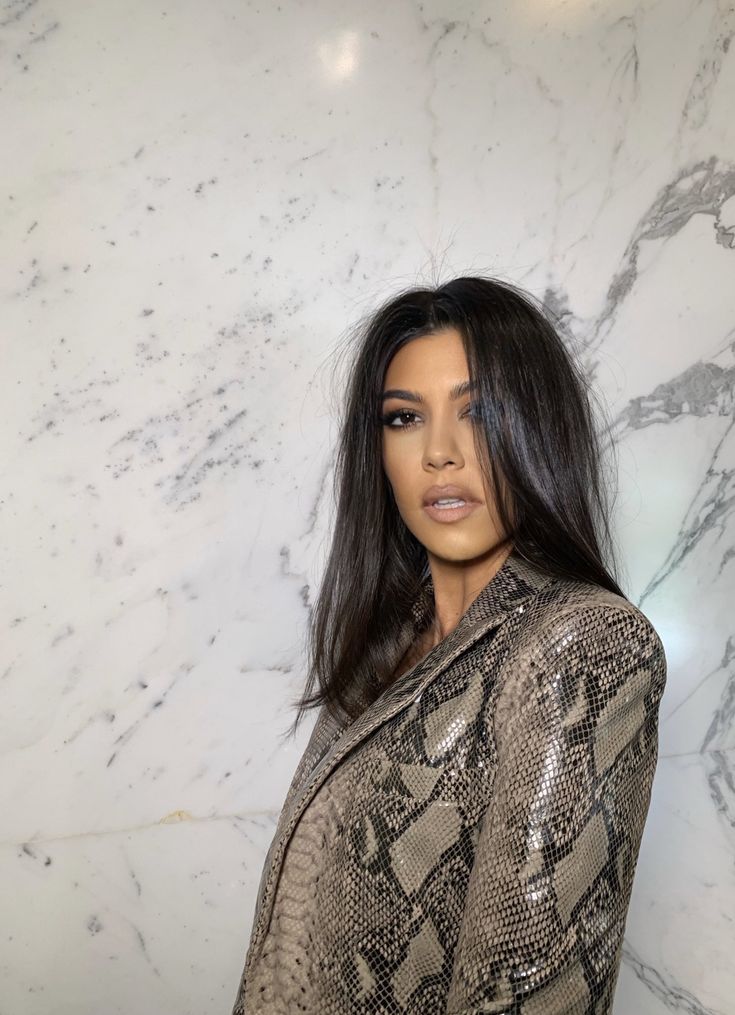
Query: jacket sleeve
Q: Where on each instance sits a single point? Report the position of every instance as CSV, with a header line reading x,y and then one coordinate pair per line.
x,y
576,737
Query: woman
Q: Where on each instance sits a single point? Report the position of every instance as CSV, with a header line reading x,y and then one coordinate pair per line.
x,y
462,831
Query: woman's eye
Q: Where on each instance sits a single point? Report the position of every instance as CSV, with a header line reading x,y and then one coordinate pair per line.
x,y
390,417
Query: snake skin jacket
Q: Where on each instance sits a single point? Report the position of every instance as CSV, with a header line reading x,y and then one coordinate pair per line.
x,y
468,843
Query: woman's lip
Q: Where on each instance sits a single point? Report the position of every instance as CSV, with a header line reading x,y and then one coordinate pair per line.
x,y
448,514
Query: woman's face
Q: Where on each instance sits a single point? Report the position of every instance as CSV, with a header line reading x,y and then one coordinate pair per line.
x,y
428,441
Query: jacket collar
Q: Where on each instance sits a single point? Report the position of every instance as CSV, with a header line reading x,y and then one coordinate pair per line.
x,y
516,578
515,582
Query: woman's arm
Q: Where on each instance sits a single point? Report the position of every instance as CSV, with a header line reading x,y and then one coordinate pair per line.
x,y
576,732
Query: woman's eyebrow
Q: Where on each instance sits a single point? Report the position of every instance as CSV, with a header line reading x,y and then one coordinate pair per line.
x,y
463,388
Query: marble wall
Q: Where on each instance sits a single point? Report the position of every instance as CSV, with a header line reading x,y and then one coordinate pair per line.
x,y
197,200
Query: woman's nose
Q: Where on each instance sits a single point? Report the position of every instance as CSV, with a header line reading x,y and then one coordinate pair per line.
x,y
442,446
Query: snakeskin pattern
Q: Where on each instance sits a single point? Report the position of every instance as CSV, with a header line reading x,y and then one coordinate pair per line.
x,y
468,843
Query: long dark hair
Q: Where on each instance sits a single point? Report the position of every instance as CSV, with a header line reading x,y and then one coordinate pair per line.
x,y
536,437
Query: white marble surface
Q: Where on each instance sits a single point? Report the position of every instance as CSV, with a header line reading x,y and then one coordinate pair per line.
x,y
197,200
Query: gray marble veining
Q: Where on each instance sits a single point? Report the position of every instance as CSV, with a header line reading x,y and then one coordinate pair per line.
x,y
197,202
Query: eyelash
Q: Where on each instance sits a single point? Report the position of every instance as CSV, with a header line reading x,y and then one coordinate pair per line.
x,y
387,419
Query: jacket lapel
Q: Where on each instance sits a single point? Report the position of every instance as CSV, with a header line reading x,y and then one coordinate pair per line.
x,y
515,581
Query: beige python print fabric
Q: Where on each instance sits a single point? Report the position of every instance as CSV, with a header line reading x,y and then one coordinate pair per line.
x,y
468,843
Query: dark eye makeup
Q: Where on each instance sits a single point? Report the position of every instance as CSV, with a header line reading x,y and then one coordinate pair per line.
x,y
388,418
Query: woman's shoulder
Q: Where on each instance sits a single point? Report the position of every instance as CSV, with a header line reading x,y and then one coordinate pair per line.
x,y
570,613
579,646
